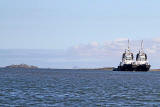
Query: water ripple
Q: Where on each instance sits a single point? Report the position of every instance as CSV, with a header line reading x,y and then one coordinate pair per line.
x,y
45,88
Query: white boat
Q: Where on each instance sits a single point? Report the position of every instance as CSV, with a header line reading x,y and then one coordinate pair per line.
x,y
141,60
127,60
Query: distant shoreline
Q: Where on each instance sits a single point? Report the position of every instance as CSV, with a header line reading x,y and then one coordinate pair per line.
x,y
101,69
25,66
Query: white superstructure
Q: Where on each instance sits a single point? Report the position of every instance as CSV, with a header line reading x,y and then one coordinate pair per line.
x,y
127,57
141,57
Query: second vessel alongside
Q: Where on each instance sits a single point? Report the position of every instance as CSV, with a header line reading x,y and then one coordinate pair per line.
x,y
141,60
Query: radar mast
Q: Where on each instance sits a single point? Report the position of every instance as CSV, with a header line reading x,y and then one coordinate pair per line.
x,y
142,46
128,45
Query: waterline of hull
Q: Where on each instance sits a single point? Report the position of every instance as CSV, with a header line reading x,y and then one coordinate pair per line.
x,y
130,67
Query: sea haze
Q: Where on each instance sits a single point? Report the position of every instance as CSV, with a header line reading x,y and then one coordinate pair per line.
x,y
47,58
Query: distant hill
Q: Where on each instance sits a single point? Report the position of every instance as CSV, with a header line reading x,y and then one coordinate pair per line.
x,y
22,66
155,70
105,68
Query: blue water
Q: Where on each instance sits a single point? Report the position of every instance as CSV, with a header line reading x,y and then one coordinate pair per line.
x,y
83,88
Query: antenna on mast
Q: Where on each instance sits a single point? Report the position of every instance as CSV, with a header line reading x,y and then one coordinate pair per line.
x,y
142,45
128,44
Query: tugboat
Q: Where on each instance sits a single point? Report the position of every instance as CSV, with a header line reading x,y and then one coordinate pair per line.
x,y
141,60
127,63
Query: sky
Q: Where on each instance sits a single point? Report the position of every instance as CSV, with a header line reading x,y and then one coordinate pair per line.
x,y
72,33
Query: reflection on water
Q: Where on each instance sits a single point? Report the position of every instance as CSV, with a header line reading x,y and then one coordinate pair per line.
x,y
42,88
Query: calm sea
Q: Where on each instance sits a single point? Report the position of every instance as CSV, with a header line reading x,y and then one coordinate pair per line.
x,y
78,88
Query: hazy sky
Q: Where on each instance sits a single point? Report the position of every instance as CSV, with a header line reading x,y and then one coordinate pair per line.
x,y
67,24
59,24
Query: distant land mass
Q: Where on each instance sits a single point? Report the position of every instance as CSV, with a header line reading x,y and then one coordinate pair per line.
x,y
105,68
25,66
110,69
22,66
155,70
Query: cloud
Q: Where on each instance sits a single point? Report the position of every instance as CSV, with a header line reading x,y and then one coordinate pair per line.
x,y
121,39
109,48
116,46
93,54
156,40
111,51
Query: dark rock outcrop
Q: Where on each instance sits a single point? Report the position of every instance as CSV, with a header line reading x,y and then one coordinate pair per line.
x,y
22,66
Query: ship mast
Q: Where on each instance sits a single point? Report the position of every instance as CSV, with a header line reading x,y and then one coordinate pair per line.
x,y
128,45
142,46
